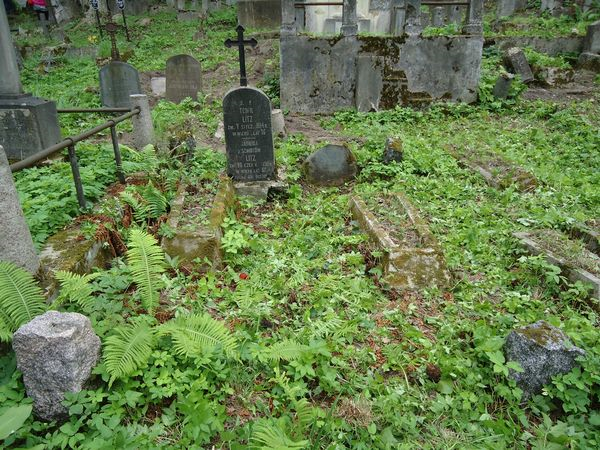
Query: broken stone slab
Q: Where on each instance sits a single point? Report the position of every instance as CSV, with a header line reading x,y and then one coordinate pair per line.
x,y
516,61
332,165
56,353
543,351
555,76
406,265
536,243
204,240
260,190
392,151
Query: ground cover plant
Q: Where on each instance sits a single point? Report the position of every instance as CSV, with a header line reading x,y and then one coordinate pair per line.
x,y
297,342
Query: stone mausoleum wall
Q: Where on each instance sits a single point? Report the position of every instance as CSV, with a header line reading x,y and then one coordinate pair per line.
x,y
327,74
320,75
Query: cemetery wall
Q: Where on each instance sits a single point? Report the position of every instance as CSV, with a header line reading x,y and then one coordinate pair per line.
x,y
324,75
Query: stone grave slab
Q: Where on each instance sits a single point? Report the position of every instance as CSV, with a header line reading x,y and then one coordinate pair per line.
x,y
331,165
118,80
517,61
184,78
248,135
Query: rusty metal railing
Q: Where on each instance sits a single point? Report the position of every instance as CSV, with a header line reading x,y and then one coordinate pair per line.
x,y
70,142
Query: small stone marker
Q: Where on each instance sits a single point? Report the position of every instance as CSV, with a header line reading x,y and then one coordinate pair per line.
x,y
543,351
331,165
56,353
393,151
248,135
591,43
118,80
502,86
517,61
184,78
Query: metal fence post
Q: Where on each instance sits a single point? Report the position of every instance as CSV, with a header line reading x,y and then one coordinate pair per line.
x,y
115,143
76,176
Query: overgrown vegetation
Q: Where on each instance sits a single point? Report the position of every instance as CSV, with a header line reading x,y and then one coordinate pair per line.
x,y
297,342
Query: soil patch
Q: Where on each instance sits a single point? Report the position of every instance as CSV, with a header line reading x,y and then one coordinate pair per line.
x,y
581,88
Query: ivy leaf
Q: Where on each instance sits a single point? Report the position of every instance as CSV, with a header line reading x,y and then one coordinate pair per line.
x,y
445,387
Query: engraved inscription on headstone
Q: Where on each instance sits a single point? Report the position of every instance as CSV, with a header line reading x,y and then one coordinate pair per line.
x,y
118,80
248,135
184,78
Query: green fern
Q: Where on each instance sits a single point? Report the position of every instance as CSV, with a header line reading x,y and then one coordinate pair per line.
x,y
21,299
268,436
76,289
127,350
6,330
287,350
146,261
199,333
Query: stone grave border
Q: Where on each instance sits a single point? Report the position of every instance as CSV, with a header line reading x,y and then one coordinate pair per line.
x,y
401,263
532,246
206,240
524,180
65,250
589,236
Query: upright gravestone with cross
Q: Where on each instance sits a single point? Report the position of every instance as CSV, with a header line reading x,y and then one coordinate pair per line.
x,y
247,123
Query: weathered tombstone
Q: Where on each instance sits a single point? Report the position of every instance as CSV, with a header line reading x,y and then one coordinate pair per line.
x,y
16,245
248,135
331,165
506,8
27,124
543,351
392,151
184,78
502,86
118,80
517,61
591,43
56,353
437,17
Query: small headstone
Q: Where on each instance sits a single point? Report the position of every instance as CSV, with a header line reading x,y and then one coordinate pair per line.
x,y
158,86
331,165
506,8
437,17
589,61
591,43
278,122
184,78
248,135
393,151
118,80
56,353
502,86
543,351
517,61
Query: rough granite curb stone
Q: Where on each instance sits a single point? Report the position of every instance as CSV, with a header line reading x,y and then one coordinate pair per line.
x,y
56,353
405,267
205,241
542,351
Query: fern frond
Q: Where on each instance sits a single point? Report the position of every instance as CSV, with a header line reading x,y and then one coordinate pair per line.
x,y
305,413
287,350
76,289
127,350
156,203
6,328
199,333
146,261
268,436
21,298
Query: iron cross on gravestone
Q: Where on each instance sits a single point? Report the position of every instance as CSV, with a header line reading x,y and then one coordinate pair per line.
x,y
241,43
